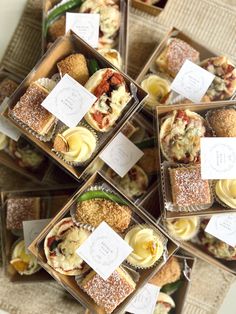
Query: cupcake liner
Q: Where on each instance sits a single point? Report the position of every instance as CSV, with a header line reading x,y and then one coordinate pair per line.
x,y
186,270
161,238
76,163
166,191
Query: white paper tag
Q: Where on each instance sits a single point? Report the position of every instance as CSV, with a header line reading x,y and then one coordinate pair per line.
x,y
192,81
218,158
32,229
85,25
5,126
69,101
145,300
223,227
104,250
121,154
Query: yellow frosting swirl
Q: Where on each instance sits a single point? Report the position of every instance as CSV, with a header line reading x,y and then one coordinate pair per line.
x,y
183,228
226,192
81,143
147,246
156,87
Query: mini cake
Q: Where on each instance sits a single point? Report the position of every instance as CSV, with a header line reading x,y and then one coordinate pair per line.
x,y
111,292
188,188
174,56
183,229
21,209
29,110
60,247
147,246
74,65
224,85
225,191
95,210
24,263
7,87
223,122
169,273
75,145
180,134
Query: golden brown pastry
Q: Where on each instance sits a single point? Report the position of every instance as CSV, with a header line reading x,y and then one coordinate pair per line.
x,y
7,87
57,28
74,65
223,122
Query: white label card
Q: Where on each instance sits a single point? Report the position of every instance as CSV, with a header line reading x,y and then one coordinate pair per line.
x,y
121,154
223,227
69,101
192,81
218,158
32,229
145,300
5,126
104,250
85,25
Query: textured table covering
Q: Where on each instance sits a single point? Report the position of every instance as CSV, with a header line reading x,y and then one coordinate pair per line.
x,y
209,285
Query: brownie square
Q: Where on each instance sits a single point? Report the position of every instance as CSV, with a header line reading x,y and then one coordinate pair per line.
x,y
187,187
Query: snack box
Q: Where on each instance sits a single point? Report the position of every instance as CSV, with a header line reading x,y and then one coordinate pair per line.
x,y
98,184
152,68
171,210
141,178
147,8
46,67
121,44
45,203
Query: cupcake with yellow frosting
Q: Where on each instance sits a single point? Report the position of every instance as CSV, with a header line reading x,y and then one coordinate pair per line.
x,y
157,88
225,191
147,245
183,229
75,145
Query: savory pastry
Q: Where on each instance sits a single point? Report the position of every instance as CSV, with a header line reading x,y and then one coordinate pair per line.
x,y
147,246
134,183
110,89
214,246
169,273
110,19
57,28
74,65
112,55
157,89
164,304
26,155
174,55
75,145
60,247
183,229
94,207
224,85
24,263
3,141
29,110
180,135
7,87
21,209
223,122
225,191
187,186
111,292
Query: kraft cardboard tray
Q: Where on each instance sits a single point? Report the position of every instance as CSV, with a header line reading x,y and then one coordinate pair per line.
x,y
46,67
68,282
173,33
200,108
147,8
50,203
122,42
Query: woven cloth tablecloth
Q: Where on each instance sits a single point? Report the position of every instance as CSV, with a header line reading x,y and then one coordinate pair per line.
x,y
213,23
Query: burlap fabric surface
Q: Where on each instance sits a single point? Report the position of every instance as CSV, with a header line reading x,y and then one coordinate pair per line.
x,y
213,23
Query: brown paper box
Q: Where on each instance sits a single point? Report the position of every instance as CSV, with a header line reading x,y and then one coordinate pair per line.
x,y
46,67
200,108
50,202
123,33
147,8
68,282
